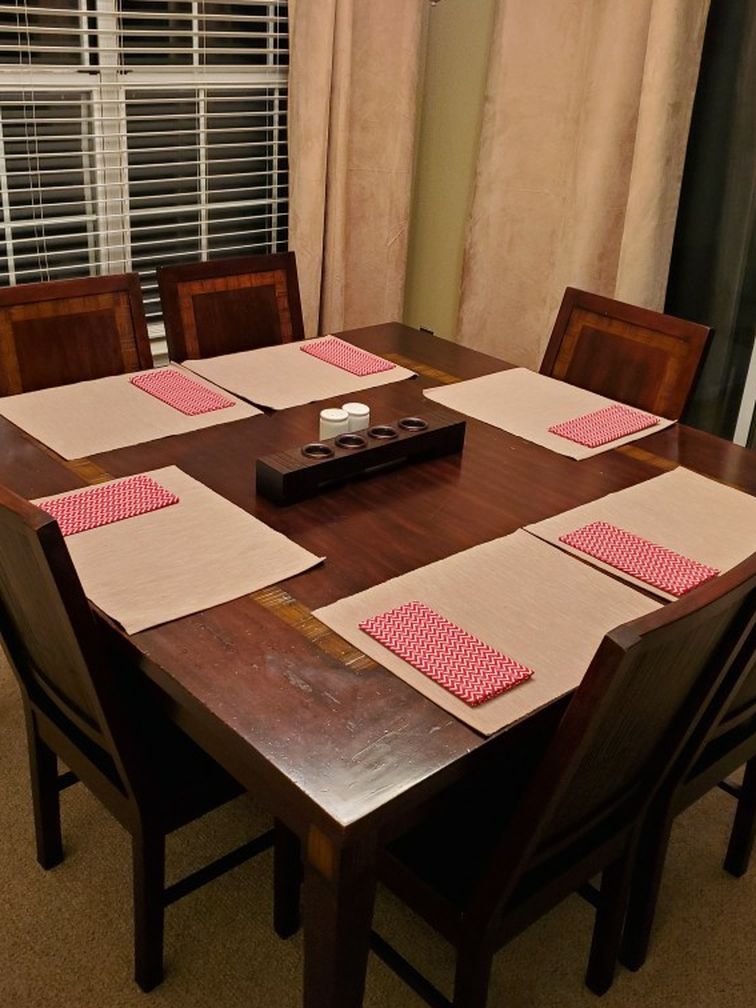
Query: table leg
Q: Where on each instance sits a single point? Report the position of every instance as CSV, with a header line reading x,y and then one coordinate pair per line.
x,y
339,891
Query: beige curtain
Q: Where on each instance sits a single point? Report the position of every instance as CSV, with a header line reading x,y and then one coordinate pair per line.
x,y
354,70
585,124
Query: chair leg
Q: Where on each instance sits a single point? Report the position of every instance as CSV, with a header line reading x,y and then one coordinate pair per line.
x,y
287,881
644,890
744,828
43,766
472,978
607,929
148,851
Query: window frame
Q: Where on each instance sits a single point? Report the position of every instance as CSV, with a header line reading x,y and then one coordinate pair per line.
x,y
104,91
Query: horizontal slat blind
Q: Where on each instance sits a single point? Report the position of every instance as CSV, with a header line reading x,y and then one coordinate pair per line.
x,y
140,132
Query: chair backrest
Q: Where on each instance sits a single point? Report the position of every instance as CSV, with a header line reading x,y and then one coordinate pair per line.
x,y
66,331
727,737
53,643
635,355
648,688
741,706
228,305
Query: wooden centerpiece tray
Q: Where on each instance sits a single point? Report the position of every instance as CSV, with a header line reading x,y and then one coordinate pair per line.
x,y
293,475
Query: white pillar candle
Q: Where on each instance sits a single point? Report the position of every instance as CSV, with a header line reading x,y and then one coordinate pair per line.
x,y
359,415
333,422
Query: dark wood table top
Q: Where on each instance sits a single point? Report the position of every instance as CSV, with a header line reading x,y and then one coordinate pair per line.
x,y
271,692
341,751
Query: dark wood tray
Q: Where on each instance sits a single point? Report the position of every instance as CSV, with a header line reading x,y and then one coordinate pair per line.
x,y
293,475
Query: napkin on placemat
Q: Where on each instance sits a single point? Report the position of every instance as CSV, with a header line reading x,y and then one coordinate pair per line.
x,y
176,390
604,425
110,502
461,663
647,561
347,357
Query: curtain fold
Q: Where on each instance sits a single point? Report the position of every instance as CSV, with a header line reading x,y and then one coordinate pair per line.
x,y
585,124
354,69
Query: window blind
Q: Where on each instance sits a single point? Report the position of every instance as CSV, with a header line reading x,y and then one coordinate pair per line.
x,y
140,132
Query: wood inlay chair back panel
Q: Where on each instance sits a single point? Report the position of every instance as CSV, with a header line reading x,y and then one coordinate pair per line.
x,y
228,305
68,331
637,356
480,872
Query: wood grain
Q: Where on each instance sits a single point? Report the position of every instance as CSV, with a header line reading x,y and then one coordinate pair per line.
x,y
227,305
326,740
66,331
635,355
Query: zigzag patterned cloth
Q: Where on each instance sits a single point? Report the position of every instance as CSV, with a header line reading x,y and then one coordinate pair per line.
x,y
110,502
448,655
183,394
347,357
655,565
604,425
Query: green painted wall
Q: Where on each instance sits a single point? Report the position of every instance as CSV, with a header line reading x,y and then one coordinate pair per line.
x,y
455,72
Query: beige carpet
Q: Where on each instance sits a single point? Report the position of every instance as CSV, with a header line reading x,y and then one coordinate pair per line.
x,y
65,935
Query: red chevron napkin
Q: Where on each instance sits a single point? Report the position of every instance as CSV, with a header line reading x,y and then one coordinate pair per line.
x,y
604,425
656,565
347,357
180,392
111,502
452,657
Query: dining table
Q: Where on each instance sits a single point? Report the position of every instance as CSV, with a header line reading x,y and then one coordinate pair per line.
x,y
341,752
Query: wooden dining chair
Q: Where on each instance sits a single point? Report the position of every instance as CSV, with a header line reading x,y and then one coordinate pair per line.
x,y
85,704
227,305
634,355
727,744
492,861
66,331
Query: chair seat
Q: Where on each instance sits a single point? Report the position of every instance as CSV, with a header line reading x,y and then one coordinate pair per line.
x,y
446,854
446,851
189,782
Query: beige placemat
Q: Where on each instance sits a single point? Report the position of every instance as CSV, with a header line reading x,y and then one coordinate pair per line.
x,y
517,594
107,413
183,558
283,376
688,513
524,403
